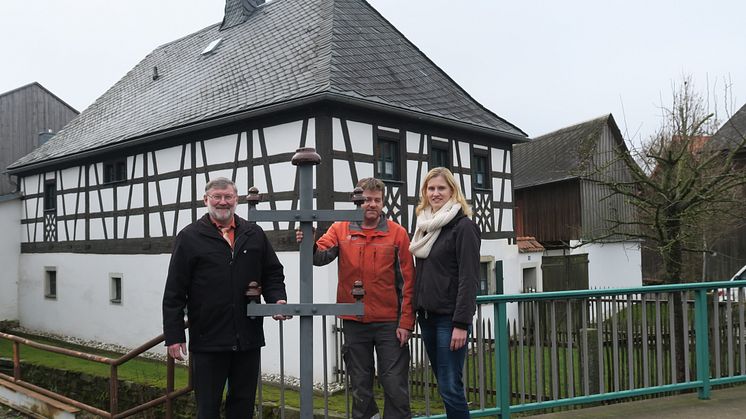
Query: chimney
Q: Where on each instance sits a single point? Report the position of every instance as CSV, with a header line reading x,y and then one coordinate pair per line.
x,y
237,11
45,136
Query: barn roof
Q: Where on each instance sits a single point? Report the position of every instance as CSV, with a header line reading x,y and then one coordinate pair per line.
x,y
286,53
732,133
558,155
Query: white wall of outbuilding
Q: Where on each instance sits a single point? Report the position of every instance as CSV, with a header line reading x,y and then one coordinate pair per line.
x,y
10,251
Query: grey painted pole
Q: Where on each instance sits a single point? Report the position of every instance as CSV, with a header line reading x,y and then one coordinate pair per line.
x,y
305,160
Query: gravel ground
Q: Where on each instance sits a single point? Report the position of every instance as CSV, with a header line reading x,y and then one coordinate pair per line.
x,y
7,413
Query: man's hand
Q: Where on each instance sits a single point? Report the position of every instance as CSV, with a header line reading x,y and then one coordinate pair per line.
x,y
176,350
299,234
280,316
403,336
458,338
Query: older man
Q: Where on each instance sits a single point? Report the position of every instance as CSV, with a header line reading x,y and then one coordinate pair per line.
x,y
213,261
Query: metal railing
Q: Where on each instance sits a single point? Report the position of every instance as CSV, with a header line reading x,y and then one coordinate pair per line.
x,y
113,389
577,347
538,351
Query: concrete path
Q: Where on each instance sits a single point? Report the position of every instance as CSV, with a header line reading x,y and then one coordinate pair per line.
x,y
725,403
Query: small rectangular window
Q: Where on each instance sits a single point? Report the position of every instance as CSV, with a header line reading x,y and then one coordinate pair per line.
x,y
115,171
387,163
480,171
115,289
487,283
50,283
439,155
50,195
529,280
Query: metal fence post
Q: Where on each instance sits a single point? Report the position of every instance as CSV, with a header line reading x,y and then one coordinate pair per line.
x,y
703,346
502,359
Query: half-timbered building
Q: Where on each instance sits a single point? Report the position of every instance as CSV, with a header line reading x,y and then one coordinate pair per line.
x,y
103,199
562,200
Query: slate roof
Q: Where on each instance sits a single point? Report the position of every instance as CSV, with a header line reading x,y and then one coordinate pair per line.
x,y
286,52
731,133
557,155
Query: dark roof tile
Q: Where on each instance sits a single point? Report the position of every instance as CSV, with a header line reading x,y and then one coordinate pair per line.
x,y
286,50
555,156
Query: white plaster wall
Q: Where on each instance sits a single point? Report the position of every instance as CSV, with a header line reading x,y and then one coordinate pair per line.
x,y
512,274
82,308
10,249
613,265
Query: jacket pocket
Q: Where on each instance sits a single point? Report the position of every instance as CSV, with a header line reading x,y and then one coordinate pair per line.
x,y
216,325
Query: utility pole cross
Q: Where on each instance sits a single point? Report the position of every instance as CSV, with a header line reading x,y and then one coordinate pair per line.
x,y
305,159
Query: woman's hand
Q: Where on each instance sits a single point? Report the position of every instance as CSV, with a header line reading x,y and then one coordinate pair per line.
x,y
458,338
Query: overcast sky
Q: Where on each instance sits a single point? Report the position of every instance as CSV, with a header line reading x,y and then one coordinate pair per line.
x,y
540,65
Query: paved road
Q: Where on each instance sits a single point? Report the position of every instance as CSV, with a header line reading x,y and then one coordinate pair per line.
x,y
725,403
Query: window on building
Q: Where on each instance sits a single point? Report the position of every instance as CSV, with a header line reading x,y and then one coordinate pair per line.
x,y
484,278
529,280
487,282
115,288
115,171
50,283
439,155
480,171
50,195
490,276
387,155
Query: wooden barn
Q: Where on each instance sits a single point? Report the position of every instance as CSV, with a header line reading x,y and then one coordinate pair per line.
x,y
104,198
29,116
561,203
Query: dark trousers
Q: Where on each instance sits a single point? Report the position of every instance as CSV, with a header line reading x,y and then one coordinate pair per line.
x,y
393,369
210,372
448,365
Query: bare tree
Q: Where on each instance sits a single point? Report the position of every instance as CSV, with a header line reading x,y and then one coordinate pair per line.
x,y
684,188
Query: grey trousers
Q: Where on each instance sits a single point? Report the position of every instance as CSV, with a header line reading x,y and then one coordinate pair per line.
x,y
393,369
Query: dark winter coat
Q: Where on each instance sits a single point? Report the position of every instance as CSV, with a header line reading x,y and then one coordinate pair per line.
x,y
210,279
447,280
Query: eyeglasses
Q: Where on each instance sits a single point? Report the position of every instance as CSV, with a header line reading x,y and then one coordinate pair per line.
x,y
219,197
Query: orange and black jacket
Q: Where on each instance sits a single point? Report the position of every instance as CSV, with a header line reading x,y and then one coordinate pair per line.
x,y
381,260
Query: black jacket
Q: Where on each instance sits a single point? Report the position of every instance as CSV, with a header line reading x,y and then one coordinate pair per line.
x,y
447,280
210,279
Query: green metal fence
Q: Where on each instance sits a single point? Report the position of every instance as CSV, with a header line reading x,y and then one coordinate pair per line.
x,y
569,348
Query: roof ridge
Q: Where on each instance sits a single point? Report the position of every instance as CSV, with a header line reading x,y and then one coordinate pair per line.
x,y
327,17
433,65
599,119
36,83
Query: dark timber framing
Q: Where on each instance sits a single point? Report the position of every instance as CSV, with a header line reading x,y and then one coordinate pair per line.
x,y
144,157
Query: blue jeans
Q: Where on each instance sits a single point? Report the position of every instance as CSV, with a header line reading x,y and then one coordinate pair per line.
x,y
447,365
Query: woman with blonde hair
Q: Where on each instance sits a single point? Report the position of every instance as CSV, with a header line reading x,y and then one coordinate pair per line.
x,y
446,247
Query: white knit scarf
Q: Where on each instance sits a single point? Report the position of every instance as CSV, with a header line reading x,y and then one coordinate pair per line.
x,y
429,225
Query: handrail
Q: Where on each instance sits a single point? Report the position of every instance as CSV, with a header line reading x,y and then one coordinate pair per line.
x,y
534,296
113,379
703,382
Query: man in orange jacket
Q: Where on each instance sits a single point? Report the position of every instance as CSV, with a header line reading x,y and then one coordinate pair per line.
x,y
376,252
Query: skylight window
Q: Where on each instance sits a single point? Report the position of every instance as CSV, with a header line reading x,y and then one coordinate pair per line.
x,y
211,48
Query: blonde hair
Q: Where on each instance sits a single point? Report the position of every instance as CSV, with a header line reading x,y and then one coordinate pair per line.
x,y
457,195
